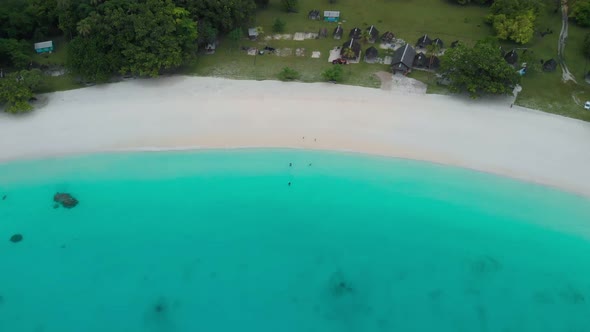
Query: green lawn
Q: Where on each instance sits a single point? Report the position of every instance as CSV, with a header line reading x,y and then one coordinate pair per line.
x,y
406,19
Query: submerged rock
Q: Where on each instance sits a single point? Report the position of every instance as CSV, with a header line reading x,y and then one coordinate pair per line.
x,y
16,238
66,200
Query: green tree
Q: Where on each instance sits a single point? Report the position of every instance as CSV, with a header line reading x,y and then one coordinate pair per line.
x,y
520,28
278,25
223,15
348,53
16,89
288,74
235,35
586,45
261,3
14,53
478,70
333,74
290,6
141,37
514,19
581,12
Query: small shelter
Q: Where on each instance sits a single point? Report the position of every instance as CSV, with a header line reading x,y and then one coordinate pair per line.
x,y
550,65
433,62
373,33
511,57
420,61
454,44
402,59
314,15
44,47
331,16
423,42
210,48
354,46
438,42
371,54
355,33
252,33
388,37
338,31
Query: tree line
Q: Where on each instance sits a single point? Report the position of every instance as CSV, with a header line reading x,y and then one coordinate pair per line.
x,y
107,37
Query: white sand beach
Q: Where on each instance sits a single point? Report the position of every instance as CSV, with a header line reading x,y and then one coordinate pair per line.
x,y
197,112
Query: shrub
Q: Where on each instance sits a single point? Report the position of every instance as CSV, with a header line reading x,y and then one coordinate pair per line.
x,y
291,6
334,74
278,25
288,74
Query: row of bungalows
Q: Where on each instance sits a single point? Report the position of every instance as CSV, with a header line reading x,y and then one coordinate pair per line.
x,y
357,33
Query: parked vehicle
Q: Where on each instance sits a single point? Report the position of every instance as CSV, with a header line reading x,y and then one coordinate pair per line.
x,y
339,61
587,105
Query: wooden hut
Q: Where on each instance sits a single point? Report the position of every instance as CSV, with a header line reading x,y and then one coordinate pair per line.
x,y
550,65
338,31
423,42
438,43
420,60
371,54
314,15
511,57
388,37
373,34
354,46
355,33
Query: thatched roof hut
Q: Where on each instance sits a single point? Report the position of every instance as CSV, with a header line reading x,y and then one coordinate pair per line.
x,y
454,44
355,33
420,60
511,57
371,54
438,42
314,14
387,37
550,65
423,42
373,33
338,31
354,46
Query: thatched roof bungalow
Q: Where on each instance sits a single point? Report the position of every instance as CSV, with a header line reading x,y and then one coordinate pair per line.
x,y
371,54
373,33
338,31
420,60
354,46
438,42
355,33
423,42
550,65
387,37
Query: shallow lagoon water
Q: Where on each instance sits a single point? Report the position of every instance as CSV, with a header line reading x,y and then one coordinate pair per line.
x,y
219,241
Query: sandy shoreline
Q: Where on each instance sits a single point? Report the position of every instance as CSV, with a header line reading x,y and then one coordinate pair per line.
x,y
197,112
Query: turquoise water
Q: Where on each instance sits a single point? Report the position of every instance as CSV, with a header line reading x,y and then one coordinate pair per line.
x,y
218,241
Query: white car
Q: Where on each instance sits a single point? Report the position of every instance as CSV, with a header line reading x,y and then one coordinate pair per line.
x,y
587,105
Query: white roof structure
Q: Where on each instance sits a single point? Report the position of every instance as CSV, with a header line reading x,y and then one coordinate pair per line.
x,y
253,32
331,13
44,44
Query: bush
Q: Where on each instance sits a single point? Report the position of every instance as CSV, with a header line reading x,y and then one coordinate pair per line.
x,y
291,6
288,74
581,13
334,74
278,25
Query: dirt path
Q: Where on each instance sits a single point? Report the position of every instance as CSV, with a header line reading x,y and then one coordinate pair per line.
x,y
566,75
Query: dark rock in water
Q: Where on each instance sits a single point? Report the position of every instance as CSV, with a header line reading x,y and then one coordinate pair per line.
x,y
16,238
66,200
55,206
4,197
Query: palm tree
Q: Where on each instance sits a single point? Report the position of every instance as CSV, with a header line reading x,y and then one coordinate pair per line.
x,y
84,27
348,53
365,36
